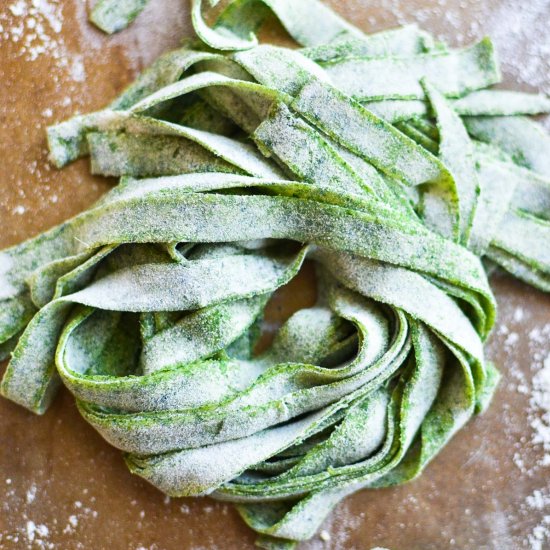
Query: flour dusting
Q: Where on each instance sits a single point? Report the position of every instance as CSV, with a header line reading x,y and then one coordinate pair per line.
x,y
35,26
531,453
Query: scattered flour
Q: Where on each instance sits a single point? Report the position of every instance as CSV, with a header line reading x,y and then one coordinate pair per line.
x,y
540,502
31,533
518,29
540,403
536,441
34,28
31,494
35,25
19,209
36,535
539,417
539,396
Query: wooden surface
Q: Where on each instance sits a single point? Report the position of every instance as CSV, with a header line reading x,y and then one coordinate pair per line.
x,y
62,486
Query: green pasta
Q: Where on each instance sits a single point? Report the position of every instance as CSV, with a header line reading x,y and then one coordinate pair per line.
x,y
383,159
114,15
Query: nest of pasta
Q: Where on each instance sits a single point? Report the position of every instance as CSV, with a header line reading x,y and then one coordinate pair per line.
x,y
384,159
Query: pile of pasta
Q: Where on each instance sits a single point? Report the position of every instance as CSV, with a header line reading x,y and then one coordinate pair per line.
x,y
387,160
